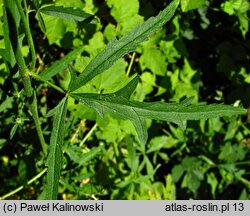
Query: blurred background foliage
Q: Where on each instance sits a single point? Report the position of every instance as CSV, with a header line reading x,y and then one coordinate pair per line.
x,y
204,51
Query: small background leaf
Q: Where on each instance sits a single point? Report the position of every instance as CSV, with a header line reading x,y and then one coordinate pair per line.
x,y
187,5
125,14
61,64
69,14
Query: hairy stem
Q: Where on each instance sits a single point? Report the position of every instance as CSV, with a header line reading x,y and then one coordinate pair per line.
x,y
32,102
28,33
23,70
31,99
34,112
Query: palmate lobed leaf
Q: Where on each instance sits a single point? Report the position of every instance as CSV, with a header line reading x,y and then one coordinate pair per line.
x,y
119,105
128,43
68,13
54,162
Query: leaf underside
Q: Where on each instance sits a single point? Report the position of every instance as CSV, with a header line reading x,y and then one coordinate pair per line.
x,y
54,162
119,105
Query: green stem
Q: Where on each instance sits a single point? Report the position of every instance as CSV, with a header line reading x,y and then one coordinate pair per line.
x,y
28,33
131,63
34,112
32,102
26,10
242,163
22,187
23,71
243,181
88,135
37,77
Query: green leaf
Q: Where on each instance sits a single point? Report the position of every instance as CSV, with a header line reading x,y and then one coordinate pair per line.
x,y
55,28
146,86
110,31
36,3
13,130
192,180
244,23
126,15
187,5
70,14
244,195
228,8
232,153
169,193
41,21
132,159
3,142
161,142
128,43
54,162
184,83
103,83
90,155
155,60
2,53
149,166
129,88
11,20
236,4
244,6
61,64
39,16
5,105
95,45
239,8
212,180
194,175
119,105
177,172
113,130
71,3
76,153
73,76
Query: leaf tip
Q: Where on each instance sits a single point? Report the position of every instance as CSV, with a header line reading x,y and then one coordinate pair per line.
x,y
128,89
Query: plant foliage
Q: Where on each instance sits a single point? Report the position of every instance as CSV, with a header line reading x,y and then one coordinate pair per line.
x,y
88,96
119,105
